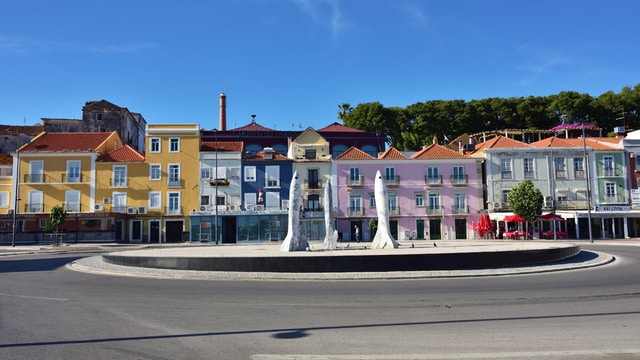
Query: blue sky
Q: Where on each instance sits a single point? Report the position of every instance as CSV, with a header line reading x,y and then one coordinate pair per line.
x,y
291,62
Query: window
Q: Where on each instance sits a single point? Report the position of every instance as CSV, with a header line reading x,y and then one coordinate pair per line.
x,y
505,169
505,196
310,154
355,204
205,173
459,204
433,175
6,171
559,167
272,174
36,171
419,197
313,202
73,171
390,174
610,191
174,175
174,144
72,201
354,176
205,200
99,117
155,172
174,203
155,200
434,204
250,173
372,200
392,203
457,175
154,145
272,200
609,166
578,168
119,202
527,164
4,199
313,179
119,176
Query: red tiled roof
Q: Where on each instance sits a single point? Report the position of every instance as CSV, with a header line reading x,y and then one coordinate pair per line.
x,y
353,153
436,151
123,154
222,146
594,143
392,153
6,159
276,156
337,127
253,126
64,142
500,142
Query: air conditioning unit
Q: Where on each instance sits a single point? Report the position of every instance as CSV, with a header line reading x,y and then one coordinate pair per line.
x,y
131,210
10,212
142,210
106,200
250,207
98,207
203,208
232,207
496,205
258,207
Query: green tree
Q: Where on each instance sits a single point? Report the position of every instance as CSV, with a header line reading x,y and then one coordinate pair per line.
x,y
526,201
345,109
58,216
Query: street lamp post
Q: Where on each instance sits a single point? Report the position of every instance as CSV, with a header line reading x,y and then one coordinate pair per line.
x,y
215,201
588,176
16,196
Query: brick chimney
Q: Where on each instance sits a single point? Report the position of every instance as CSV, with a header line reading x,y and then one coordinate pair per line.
x,y
223,112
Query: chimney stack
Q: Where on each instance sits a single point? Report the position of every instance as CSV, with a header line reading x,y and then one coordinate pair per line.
x,y
223,112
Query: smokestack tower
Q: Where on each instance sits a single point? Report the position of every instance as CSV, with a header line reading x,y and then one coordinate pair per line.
x,y
223,112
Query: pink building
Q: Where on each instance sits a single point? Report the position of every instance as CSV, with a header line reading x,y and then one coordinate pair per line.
x,y
435,193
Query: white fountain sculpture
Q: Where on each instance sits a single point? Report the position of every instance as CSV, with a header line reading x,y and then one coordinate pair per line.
x,y
383,238
294,241
331,234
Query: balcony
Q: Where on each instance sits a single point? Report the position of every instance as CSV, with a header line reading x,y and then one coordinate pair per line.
x,y
433,180
355,211
312,185
615,199
173,210
561,174
579,174
506,175
355,181
394,210
34,178
459,179
459,209
434,210
73,207
78,178
392,180
571,204
610,172
34,208
119,182
529,175
175,183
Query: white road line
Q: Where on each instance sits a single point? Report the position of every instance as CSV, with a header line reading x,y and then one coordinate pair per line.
x,y
33,297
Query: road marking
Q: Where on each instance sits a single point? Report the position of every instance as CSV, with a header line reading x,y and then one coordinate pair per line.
x,y
33,297
505,355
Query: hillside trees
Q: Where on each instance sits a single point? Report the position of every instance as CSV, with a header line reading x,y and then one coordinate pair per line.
x,y
414,126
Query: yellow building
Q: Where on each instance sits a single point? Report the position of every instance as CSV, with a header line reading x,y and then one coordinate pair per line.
x,y
59,169
172,154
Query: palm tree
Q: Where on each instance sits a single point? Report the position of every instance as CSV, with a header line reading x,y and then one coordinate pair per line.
x,y
345,108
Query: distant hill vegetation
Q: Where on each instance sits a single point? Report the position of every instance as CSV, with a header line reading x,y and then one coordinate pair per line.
x,y
411,127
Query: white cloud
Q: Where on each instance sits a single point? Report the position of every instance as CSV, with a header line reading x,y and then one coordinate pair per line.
x,y
326,13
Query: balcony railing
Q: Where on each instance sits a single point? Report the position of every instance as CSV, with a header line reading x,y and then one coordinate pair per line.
x,y
579,174
172,210
571,204
392,180
561,174
174,183
610,172
460,209
433,180
615,199
119,183
73,207
434,210
529,175
355,211
394,210
34,178
506,175
355,181
459,179
72,179
34,208
312,185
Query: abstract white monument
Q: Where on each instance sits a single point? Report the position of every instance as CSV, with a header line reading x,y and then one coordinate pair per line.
x,y
383,238
293,241
331,234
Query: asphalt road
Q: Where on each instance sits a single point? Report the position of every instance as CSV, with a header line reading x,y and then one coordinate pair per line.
x,y
50,312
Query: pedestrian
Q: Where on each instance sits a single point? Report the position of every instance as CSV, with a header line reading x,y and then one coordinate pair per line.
x,y
357,233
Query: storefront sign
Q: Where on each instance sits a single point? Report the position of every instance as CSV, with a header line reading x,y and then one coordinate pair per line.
x,y
613,208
